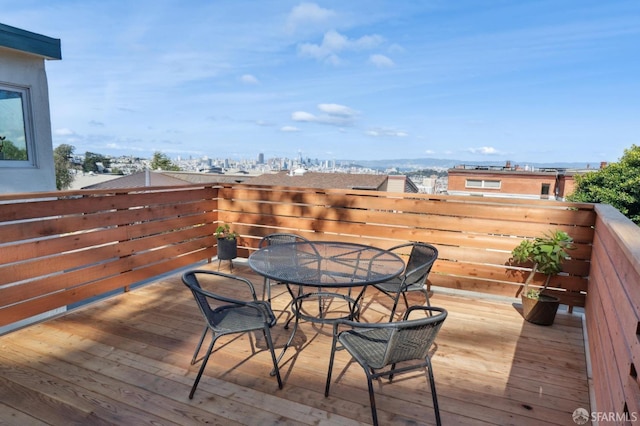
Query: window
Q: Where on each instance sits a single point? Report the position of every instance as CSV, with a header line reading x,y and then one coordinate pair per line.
x,y
483,184
545,189
15,131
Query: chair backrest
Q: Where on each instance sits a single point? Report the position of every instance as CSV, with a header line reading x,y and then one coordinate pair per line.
x,y
203,297
420,262
280,238
191,281
290,252
412,339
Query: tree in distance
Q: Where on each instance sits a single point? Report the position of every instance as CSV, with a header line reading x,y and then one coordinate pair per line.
x,y
617,184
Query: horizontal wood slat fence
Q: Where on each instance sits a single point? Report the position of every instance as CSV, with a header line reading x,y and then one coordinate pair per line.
x,y
474,235
60,249
613,314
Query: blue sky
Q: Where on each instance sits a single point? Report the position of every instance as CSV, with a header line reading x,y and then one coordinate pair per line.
x,y
473,80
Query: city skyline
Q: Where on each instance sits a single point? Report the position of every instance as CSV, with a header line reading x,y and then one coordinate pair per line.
x,y
535,81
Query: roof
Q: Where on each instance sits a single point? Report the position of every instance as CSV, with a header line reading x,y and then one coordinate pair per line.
x,y
208,177
322,180
137,180
151,178
26,41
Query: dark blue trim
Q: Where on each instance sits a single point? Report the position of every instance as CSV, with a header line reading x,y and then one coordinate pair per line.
x,y
25,41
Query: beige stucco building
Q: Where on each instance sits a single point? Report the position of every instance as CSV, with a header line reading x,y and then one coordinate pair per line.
x,y
26,148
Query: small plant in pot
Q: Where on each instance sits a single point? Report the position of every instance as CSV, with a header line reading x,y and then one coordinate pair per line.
x,y
546,254
227,242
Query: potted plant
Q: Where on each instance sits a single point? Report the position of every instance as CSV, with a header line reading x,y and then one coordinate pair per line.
x,y
227,242
546,254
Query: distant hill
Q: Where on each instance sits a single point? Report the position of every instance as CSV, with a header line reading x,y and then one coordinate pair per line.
x,y
426,163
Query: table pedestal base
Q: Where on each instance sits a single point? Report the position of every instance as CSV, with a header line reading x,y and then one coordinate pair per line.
x,y
321,317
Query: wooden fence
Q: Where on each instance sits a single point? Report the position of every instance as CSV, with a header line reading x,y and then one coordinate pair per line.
x,y
61,248
474,235
613,315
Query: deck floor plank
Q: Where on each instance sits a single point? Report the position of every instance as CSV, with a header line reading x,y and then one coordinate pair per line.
x,y
126,360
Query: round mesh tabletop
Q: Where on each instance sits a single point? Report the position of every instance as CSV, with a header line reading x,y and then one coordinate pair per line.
x,y
326,263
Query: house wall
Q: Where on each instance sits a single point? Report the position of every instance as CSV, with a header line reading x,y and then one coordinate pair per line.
x,y
27,70
566,185
522,184
396,183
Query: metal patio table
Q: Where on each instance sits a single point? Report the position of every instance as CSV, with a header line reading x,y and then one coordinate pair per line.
x,y
319,269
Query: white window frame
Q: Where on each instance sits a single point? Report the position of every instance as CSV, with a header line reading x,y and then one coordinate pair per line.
x,y
27,117
483,184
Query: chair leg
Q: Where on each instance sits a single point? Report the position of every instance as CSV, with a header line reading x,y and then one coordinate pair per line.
x,y
428,302
395,305
331,358
267,336
195,354
204,364
266,290
433,392
372,400
406,302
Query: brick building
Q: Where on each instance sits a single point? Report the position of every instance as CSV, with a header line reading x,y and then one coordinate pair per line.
x,y
512,181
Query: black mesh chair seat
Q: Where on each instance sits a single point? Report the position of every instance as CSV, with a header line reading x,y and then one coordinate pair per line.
x,y
236,319
396,285
414,277
234,316
376,346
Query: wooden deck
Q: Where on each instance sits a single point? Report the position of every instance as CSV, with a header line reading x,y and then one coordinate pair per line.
x,y
126,361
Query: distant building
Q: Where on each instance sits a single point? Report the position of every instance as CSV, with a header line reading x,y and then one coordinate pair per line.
x,y
160,178
26,148
512,181
306,179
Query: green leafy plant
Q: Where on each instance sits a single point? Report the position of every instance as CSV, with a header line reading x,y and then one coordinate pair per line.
x,y
546,254
224,232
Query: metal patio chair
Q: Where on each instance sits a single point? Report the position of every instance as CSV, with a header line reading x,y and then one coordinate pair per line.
x,y
377,345
414,277
232,316
272,239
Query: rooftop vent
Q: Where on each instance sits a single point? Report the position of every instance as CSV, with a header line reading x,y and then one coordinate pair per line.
x,y
298,172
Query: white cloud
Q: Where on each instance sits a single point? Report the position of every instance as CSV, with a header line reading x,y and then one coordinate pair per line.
x,y
382,132
303,116
336,109
333,43
249,79
289,129
381,61
484,150
333,114
64,132
308,14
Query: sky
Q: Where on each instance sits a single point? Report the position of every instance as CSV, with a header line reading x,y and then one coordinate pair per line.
x,y
471,80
